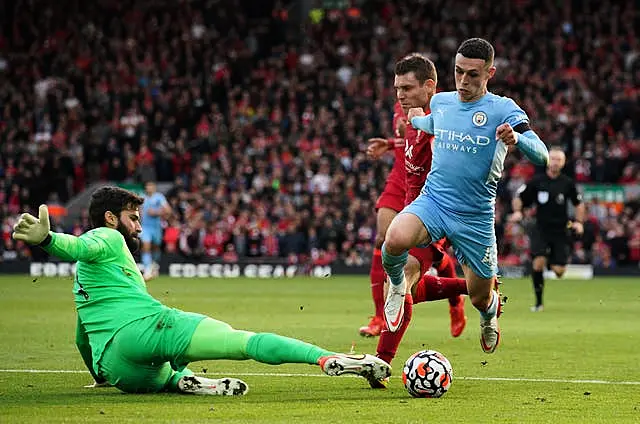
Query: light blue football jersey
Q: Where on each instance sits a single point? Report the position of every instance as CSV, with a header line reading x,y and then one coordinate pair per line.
x,y
467,159
155,202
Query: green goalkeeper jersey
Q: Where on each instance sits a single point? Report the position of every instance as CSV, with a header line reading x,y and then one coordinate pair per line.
x,y
108,288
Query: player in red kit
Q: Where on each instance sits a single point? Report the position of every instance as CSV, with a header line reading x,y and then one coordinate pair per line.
x,y
414,152
390,202
415,83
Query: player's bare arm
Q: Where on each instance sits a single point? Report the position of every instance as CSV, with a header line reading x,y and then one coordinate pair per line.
x,y
516,205
577,225
379,146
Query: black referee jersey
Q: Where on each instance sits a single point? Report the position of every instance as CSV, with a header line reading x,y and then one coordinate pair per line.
x,y
550,196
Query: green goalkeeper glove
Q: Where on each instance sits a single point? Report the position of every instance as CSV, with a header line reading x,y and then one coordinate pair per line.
x,y
30,229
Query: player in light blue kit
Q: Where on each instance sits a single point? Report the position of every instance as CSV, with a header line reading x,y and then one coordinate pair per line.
x,y
473,129
155,206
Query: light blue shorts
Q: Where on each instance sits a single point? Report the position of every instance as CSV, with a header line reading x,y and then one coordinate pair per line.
x,y
151,235
473,237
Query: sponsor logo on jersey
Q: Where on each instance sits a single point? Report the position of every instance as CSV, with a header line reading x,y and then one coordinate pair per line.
x,y
456,147
459,141
461,137
412,168
408,149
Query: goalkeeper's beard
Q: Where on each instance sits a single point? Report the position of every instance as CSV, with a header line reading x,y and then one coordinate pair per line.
x,y
133,243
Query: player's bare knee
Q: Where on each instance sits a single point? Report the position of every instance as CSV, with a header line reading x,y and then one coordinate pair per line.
x,y
480,289
480,300
396,240
539,263
405,232
558,270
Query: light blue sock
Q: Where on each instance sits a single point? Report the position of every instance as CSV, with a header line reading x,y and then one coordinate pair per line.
x,y
394,265
146,260
492,309
156,256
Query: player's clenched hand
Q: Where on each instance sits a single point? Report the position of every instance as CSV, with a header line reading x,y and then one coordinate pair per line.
x,y
578,228
31,229
415,111
506,134
377,147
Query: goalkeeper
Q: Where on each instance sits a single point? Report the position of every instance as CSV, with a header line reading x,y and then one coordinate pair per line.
x,y
131,340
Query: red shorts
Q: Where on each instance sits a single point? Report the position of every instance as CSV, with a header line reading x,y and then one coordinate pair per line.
x,y
392,196
428,255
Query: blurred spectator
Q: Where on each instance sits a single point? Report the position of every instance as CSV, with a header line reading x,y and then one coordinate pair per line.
x,y
579,255
603,258
353,258
230,254
171,237
191,242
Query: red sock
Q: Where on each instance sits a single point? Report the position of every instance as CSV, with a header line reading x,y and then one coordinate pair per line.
x,y
377,276
447,269
389,342
435,288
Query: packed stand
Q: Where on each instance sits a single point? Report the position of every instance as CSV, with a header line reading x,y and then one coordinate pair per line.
x,y
262,123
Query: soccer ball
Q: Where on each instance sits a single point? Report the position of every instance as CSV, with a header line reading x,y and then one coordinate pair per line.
x,y
427,374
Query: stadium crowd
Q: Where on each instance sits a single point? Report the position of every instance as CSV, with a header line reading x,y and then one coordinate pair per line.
x,y
261,122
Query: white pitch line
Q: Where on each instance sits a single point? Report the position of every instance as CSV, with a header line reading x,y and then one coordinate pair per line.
x,y
275,374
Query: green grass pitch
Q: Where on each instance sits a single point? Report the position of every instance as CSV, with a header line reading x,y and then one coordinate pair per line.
x,y
577,362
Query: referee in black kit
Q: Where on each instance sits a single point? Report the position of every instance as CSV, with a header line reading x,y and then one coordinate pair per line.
x,y
551,235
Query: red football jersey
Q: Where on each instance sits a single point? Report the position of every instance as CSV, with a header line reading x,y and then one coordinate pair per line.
x,y
417,160
394,193
398,170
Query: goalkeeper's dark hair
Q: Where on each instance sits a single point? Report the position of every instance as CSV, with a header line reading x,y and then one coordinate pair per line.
x,y
420,65
114,199
477,48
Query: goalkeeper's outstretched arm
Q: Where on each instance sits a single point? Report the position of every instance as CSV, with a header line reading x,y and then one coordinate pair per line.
x,y
36,231
86,248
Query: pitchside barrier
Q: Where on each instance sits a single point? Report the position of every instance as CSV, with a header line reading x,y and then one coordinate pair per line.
x,y
182,267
